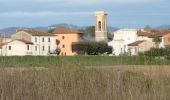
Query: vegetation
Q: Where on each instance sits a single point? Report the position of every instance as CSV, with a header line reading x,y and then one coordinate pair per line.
x,y
157,52
89,30
82,78
91,48
157,41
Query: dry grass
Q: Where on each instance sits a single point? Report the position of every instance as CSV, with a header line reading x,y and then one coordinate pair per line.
x,y
70,82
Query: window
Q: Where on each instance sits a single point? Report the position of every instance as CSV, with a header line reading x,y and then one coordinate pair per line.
x,y
35,39
49,48
63,46
28,47
43,48
49,40
9,47
63,37
100,25
35,48
42,39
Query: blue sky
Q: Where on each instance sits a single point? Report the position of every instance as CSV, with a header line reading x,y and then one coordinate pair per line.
x,y
121,13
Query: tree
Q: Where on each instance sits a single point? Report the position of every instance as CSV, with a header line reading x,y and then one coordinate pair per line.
x,y
148,28
91,48
89,30
50,31
157,41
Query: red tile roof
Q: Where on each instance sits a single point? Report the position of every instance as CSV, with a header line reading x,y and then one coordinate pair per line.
x,y
65,30
136,43
150,34
34,32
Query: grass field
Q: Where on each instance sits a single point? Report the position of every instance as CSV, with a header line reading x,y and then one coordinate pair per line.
x,y
84,78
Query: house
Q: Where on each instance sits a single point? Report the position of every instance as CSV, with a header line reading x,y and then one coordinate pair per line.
x,y
166,38
17,48
145,41
139,46
65,36
121,39
42,43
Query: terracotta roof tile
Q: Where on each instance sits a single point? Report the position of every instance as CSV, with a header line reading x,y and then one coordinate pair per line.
x,y
65,30
35,32
150,34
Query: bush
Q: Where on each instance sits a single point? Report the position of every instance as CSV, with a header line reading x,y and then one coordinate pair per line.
x,y
91,48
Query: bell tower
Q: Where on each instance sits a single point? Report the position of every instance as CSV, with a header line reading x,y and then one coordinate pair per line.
x,y
101,26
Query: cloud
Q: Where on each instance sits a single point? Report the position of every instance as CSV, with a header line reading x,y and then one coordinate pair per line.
x,y
20,14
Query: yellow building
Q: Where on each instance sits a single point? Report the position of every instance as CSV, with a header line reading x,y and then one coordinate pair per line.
x,y
65,36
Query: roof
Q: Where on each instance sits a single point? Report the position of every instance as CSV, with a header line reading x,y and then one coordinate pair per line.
x,y
24,41
136,43
151,33
34,32
65,30
21,40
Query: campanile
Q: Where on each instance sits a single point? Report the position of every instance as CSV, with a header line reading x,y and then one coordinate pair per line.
x,y
101,26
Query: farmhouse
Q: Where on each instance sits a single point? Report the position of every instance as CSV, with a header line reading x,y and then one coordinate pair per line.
x,y
147,41
65,36
42,43
17,48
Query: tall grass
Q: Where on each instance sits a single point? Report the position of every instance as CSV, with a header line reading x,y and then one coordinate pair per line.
x,y
70,78
65,83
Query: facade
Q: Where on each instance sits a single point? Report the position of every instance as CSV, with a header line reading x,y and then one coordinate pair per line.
x,y
65,37
1,43
121,39
101,26
145,41
166,38
43,43
139,46
17,48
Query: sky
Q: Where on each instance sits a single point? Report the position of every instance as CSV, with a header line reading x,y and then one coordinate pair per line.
x,y
121,13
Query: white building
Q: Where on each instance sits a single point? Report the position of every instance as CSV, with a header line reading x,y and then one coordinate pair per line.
x,y
17,48
121,39
30,42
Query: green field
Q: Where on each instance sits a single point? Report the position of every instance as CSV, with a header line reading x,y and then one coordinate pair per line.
x,y
84,78
37,61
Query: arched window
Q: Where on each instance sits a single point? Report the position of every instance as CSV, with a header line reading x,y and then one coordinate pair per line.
x,y
99,25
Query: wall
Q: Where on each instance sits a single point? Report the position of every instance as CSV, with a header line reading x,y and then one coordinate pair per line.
x,y
166,39
39,45
21,35
126,35
67,41
17,49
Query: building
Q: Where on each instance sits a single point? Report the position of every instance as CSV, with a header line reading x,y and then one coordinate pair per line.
x,y
121,39
65,36
139,46
17,48
101,26
42,43
1,43
145,41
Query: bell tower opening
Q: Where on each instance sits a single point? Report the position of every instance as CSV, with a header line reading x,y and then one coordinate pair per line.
x,y
100,25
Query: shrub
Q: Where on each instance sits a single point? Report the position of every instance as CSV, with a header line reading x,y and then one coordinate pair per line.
x,y
91,48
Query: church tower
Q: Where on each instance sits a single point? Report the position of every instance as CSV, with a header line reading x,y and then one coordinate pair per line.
x,y
101,26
